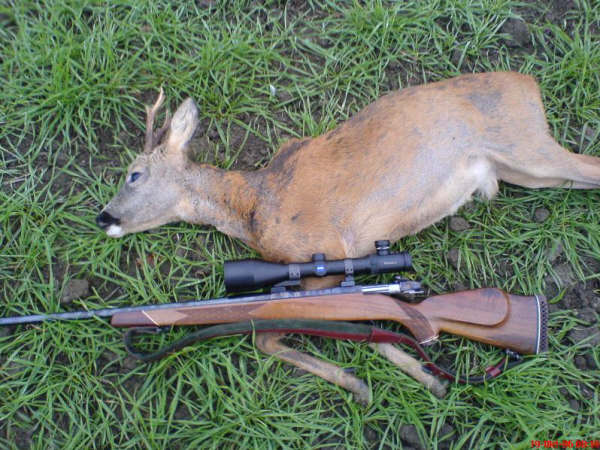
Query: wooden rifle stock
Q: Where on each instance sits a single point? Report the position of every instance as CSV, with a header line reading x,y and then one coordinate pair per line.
x,y
486,315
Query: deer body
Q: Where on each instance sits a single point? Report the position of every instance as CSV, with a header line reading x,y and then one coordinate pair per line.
x,y
399,165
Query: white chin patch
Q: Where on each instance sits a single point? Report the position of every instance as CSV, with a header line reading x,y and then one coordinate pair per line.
x,y
115,231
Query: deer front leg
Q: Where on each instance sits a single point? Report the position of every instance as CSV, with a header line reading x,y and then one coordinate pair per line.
x,y
270,343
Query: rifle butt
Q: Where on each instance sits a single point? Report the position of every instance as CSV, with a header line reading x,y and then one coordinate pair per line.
x,y
521,327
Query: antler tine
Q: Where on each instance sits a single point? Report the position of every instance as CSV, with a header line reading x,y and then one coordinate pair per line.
x,y
150,114
165,126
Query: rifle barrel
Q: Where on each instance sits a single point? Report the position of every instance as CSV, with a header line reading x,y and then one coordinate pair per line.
x,y
74,315
109,312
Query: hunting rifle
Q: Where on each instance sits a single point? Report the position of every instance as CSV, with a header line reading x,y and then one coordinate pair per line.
x,y
515,323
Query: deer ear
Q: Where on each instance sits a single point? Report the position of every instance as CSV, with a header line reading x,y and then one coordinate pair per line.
x,y
183,125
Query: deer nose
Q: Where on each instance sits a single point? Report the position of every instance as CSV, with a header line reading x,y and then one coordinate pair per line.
x,y
104,220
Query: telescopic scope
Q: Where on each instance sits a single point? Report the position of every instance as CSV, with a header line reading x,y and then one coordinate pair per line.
x,y
250,274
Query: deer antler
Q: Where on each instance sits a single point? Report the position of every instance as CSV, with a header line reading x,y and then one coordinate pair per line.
x,y
152,137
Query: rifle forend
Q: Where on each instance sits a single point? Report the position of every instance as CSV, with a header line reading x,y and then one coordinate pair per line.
x,y
486,315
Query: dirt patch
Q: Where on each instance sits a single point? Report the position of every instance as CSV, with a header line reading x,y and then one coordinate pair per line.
x,y
75,288
518,33
557,12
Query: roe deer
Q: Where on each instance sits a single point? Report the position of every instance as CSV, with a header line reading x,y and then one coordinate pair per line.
x,y
399,165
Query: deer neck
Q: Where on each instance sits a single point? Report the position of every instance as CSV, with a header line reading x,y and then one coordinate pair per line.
x,y
226,199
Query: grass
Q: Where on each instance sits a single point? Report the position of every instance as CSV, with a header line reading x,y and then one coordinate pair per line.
x,y
75,76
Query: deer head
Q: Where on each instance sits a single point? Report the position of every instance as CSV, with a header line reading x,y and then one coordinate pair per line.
x,y
152,193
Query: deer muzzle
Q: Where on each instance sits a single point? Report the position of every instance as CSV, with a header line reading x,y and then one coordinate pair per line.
x,y
110,224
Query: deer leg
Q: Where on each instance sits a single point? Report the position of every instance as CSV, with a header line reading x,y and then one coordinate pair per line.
x,y
270,344
549,165
411,366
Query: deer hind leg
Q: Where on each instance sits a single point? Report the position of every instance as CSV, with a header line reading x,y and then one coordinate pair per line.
x,y
548,165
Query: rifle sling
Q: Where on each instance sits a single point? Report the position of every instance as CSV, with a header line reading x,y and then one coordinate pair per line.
x,y
322,328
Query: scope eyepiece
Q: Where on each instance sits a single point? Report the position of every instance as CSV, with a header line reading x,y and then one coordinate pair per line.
x,y
250,274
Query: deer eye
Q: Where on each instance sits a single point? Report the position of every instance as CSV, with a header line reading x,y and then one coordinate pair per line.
x,y
134,176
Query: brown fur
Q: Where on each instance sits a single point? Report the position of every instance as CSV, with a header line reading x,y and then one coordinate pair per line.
x,y
399,165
